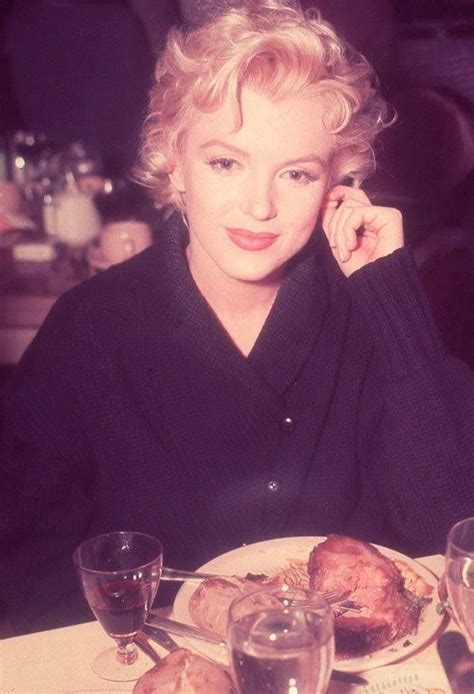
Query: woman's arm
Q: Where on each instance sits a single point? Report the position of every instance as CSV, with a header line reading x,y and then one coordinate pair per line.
x,y
420,458
45,467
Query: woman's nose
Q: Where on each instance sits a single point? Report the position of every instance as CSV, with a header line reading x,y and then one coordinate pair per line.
x,y
257,199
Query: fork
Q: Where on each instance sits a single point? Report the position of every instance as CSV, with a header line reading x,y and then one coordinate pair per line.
x,y
336,598
169,574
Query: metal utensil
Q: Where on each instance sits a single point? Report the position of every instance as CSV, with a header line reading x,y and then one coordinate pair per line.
x,y
182,629
169,574
146,648
349,678
161,637
159,626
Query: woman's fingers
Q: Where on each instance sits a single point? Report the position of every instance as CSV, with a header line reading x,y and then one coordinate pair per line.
x,y
359,232
342,229
327,214
341,193
337,199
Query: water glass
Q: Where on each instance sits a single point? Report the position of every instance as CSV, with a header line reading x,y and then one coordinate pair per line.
x,y
281,641
460,576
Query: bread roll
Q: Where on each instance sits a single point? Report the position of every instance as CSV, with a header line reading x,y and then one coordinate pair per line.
x,y
183,672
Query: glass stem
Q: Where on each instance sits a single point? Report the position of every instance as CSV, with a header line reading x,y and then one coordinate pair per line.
x,y
127,652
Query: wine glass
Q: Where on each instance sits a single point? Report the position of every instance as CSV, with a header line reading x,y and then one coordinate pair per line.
x,y
460,576
119,574
281,641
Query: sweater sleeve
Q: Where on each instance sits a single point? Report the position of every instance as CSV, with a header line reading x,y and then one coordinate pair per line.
x,y
421,453
45,468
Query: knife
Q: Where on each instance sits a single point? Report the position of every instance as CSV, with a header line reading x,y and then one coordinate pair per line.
x,y
146,648
156,628
168,574
161,637
182,629
349,678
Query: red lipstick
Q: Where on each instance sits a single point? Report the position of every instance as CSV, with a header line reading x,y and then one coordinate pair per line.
x,y
251,240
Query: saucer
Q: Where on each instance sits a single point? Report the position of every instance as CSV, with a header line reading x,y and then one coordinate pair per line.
x,y
97,260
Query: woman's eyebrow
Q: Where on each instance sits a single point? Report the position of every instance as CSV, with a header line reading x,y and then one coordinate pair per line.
x,y
306,159
226,145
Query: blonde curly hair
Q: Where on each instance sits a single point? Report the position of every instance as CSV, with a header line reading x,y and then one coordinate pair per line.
x,y
277,50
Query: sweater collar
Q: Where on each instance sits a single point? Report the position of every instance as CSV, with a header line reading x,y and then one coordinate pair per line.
x,y
288,334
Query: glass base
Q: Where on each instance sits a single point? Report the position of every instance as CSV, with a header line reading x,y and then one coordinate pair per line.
x,y
106,666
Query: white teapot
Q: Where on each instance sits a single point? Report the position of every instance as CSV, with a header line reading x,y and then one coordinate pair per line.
x,y
72,217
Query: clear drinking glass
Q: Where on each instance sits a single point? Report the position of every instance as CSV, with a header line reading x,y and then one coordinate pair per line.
x,y
460,576
281,641
119,574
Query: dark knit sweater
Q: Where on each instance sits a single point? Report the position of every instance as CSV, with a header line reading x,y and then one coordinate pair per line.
x,y
133,409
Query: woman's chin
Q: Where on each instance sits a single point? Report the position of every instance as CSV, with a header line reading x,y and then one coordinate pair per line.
x,y
253,273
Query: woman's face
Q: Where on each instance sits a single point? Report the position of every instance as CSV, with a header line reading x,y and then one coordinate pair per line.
x,y
253,195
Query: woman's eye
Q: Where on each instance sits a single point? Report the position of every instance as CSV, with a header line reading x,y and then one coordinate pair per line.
x,y
222,164
300,176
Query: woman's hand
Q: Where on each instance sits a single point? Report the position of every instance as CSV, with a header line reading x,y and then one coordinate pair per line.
x,y
359,232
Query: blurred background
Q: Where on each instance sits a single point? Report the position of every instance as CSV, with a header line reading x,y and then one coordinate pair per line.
x,y
74,77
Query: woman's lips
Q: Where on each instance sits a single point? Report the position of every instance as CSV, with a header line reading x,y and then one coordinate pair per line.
x,y
251,240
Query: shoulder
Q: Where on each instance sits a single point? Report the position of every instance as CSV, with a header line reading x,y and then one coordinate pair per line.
x,y
115,292
97,314
120,281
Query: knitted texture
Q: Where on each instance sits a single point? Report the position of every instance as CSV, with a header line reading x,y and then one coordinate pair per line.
x,y
133,409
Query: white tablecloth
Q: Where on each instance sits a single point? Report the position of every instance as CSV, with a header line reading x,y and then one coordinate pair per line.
x,y
58,661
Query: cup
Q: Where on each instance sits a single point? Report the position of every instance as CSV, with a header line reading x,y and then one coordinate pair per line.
x,y
281,640
119,574
460,576
72,218
121,240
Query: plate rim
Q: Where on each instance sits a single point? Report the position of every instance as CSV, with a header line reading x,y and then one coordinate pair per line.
x,y
379,658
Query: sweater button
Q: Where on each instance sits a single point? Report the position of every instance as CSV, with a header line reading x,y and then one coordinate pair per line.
x,y
287,424
273,486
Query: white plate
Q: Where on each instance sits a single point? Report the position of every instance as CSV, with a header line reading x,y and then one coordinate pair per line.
x,y
269,557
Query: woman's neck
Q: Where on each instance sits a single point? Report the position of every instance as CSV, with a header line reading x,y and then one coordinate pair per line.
x,y
241,307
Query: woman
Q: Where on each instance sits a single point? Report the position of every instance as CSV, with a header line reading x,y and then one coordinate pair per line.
x,y
248,377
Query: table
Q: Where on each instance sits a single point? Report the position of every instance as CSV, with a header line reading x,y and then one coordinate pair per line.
x,y
27,294
58,661
20,318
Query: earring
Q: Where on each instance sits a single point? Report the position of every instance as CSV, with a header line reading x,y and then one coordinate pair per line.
x,y
183,205
185,220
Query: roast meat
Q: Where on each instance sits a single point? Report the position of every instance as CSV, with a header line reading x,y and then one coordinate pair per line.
x,y
374,583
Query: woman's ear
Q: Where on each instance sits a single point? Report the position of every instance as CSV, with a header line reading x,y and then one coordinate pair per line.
x,y
177,178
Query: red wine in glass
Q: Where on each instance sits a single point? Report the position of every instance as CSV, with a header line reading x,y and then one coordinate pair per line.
x,y
119,574
121,606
